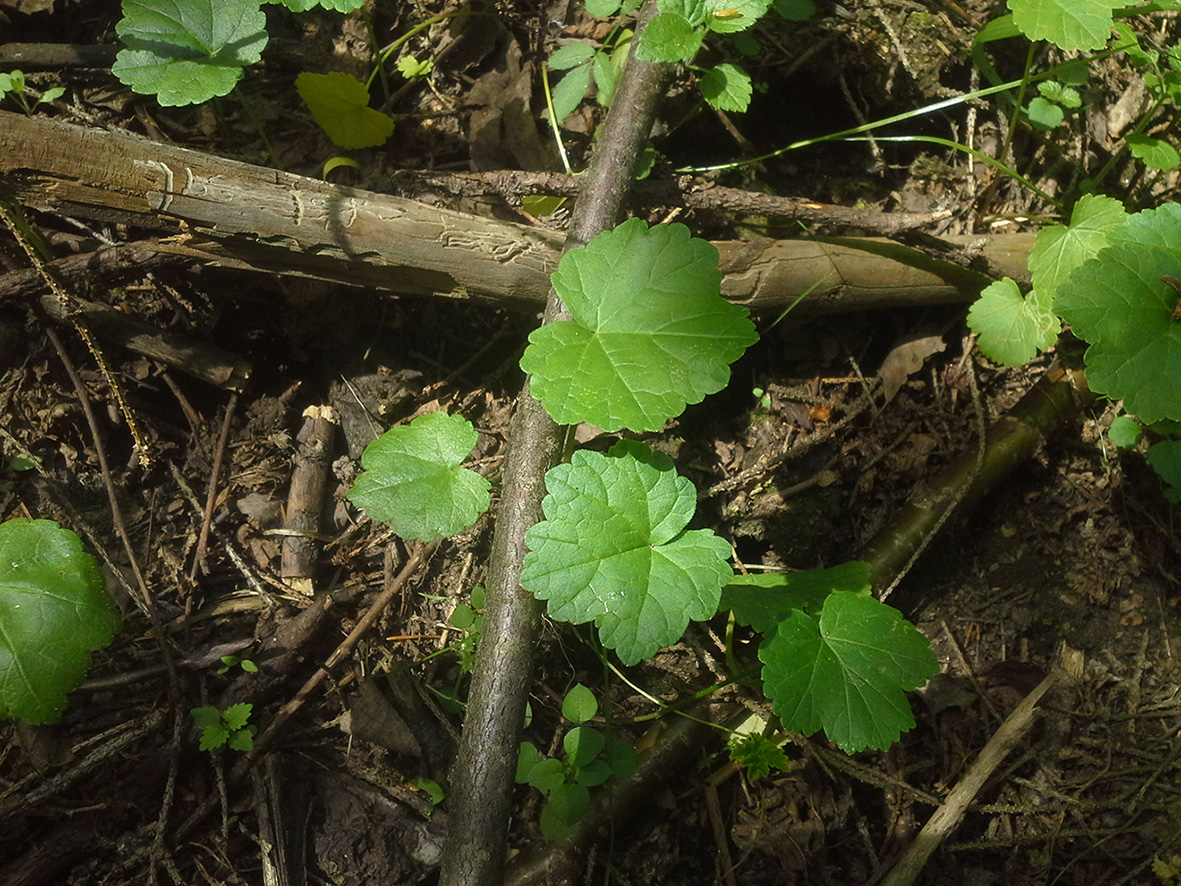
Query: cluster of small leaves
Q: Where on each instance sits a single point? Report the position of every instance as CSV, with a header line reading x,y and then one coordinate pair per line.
x,y
189,51
229,662
1163,83
680,26
414,479
757,754
1014,327
228,728
1048,110
834,658
589,760
12,85
54,610
468,619
579,60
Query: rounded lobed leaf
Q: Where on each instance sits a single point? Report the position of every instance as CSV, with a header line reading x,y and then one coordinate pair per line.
x,y
1012,327
650,333
847,671
53,611
613,549
188,51
413,479
339,103
1124,306
1068,24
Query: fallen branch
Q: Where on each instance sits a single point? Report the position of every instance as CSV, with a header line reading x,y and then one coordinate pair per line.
x,y
242,216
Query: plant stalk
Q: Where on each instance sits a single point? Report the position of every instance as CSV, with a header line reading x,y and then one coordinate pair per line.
x,y
485,769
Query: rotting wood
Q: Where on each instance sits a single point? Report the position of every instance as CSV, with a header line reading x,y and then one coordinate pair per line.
x,y
243,216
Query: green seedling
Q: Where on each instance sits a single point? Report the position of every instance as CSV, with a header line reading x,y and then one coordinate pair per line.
x,y
12,85
232,661
589,760
228,728
54,610
468,618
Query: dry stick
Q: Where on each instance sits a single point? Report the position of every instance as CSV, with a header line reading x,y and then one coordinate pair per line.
x,y
948,816
211,496
485,770
267,736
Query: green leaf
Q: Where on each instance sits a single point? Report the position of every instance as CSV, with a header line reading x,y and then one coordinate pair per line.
x,y
1054,91
1124,431
580,704
334,5
613,548
593,773
206,717
339,103
1165,458
605,78
241,740
847,672
410,67
650,333
583,744
731,16
1155,153
546,774
566,807
188,51
1043,114
431,788
669,38
236,716
413,479
1012,327
570,91
764,600
213,736
727,88
795,10
527,757
758,754
1121,304
1068,24
1058,250
602,8
54,610
571,56
621,756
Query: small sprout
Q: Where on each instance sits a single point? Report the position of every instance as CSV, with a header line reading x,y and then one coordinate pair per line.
x,y
225,728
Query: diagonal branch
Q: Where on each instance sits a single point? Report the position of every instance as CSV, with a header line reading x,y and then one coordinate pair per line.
x,y
484,775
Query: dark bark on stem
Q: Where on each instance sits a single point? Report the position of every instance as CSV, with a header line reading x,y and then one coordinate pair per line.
x,y
484,774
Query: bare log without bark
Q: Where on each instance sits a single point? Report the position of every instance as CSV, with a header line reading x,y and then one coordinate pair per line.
x,y
243,216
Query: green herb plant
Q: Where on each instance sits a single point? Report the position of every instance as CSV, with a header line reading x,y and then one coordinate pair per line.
x,y
590,758
229,662
650,335
229,728
12,85
54,611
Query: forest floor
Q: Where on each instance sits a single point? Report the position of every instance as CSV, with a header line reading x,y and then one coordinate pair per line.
x,y
1077,549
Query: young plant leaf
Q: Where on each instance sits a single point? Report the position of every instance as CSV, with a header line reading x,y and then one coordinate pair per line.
x,y
650,333
188,51
335,5
731,16
1058,249
569,92
602,8
339,104
1165,458
1155,153
570,56
566,807
1012,327
580,704
758,754
763,600
846,672
669,37
1044,114
1068,24
583,744
54,610
613,549
1122,305
1124,431
727,88
413,479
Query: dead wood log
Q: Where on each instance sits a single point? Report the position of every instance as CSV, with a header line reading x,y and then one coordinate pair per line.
x,y
238,215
